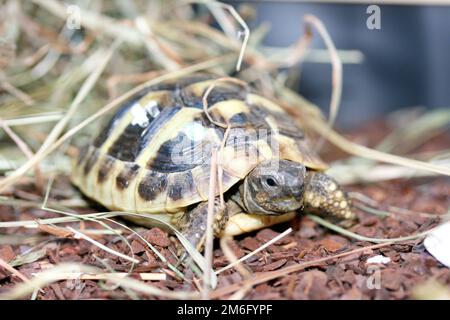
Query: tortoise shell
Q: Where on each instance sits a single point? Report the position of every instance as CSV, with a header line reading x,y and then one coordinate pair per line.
x,y
154,154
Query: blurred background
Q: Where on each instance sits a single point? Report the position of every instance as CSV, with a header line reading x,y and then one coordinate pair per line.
x,y
405,64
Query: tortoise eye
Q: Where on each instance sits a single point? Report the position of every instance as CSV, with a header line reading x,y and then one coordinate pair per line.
x,y
271,182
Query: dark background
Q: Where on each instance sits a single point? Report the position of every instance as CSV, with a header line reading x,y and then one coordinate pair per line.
x,y
406,63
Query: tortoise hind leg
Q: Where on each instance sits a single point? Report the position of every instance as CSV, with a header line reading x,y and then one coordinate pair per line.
x,y
193,226
324,196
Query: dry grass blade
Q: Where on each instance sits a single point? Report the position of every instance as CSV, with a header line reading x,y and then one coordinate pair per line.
x,y
29,256
392,209
13,271
355,172
229,254
20,239
225,136
243,25
105,276
18,141
24,148
297,53
418,131
265,245
151,290
246,274
80,235
5,85
209,232
33,119
336,74
359,237
56,231
207,93
365,152
154,47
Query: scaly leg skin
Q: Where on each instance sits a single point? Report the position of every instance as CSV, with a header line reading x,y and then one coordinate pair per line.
x,y
324,196
194,224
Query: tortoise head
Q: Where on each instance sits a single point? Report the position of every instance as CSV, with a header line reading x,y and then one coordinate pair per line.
x,y
274,187
277,187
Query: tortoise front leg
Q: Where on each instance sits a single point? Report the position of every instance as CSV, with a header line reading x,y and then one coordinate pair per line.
x,y
324,196
194,223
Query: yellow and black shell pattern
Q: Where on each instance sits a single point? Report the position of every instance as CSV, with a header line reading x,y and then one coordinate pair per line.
x,y
154,154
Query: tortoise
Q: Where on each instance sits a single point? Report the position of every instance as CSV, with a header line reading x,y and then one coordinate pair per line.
x,y
153,156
